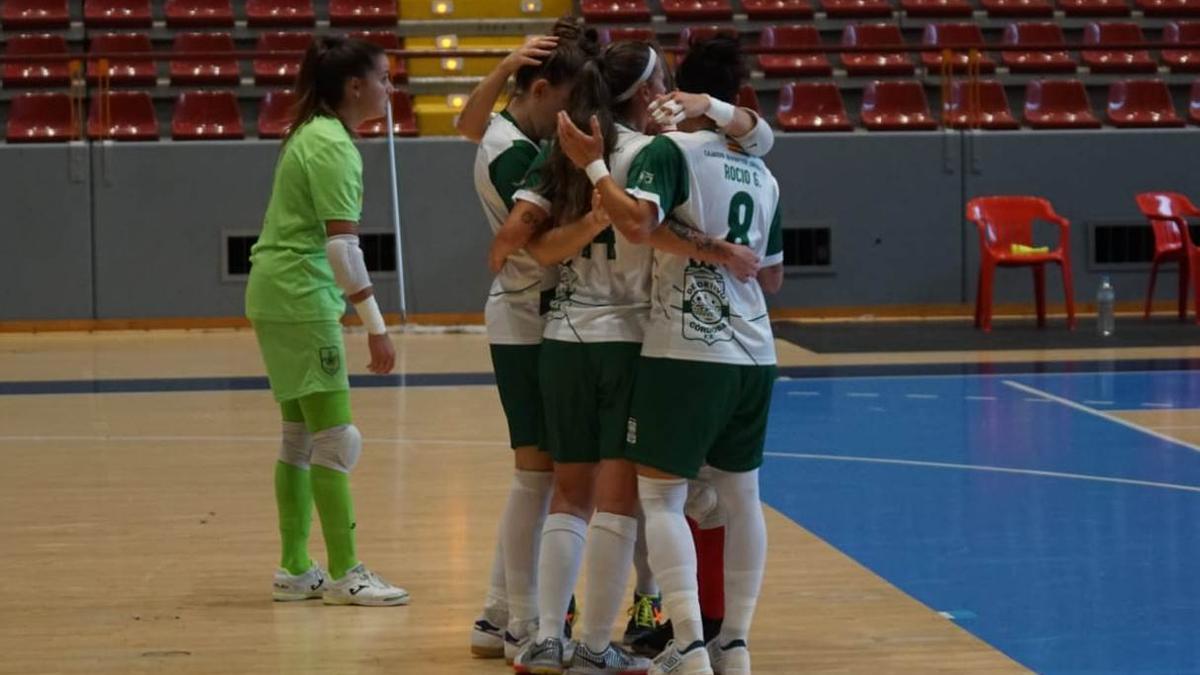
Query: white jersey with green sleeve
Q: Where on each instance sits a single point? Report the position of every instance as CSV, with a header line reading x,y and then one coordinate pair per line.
x,y
701,312
603,293
513,311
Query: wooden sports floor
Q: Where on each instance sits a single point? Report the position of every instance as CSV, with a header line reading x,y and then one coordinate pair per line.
x,y
138,523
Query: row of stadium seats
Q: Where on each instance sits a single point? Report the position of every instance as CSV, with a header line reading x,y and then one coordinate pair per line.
x,y
18,15
603,11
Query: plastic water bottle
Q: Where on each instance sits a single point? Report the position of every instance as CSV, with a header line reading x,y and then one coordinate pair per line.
x,y
1105,299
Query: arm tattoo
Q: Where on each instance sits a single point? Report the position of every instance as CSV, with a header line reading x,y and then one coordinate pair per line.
x,y
533,220
702,242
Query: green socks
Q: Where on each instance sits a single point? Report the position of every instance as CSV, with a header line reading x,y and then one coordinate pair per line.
x,y
293,496
331,491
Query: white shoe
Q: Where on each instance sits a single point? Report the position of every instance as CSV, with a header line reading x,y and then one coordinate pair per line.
x,y
613,660
487,637
516,638
361,586
731,659
288,587
692,661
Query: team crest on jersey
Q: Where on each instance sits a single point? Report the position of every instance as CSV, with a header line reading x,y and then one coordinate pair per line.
x,y
646,177
331,360
568,280
705,305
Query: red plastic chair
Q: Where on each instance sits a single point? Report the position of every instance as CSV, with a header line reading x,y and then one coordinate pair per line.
x,y
792,65
205,70
812,106
133,72
206,115
404,122
1168,213
280,69
1182,33
196,13
275,113
34,14
1058,104
1004,221
1194,103
280,13
992,113
693,33
954,36
609,35
35,73
362,12
1116,61
1094,7
856,9
777,10
123,116
937,8
748,98
1036,62
1169,7
896,106
117,14
1141,103
41,118
1018,8
387,40
858,64
600,11
697,10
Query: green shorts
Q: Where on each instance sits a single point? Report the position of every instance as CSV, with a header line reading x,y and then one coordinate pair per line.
x,y
690,413
516,369
586,390
303,358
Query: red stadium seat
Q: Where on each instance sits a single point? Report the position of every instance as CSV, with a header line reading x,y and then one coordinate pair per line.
x,y
1003,222
792,65
858,64
992,111
34,14
41,118
203,70
403,119
1169,7
937,8
123,116
955,36
812,106
139,72
1094,7
697,10
280,69
196,13
389,41
362,12
1018,8
692,33
601,11
748,98
1116,61
607,35
1036,62
1141,103
1182,33
280,13
206,115
35,73
117,14
1168,213
1058,104
275,113
1194,104
896,106
777,10
856,9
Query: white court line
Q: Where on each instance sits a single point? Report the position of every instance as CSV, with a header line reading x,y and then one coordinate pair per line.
x,y
980,398
1101,414
804,393
1087,402
1157,405
990,469
222,439
924,397
958,376
862,394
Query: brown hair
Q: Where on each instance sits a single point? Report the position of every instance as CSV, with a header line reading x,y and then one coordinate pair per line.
x,y
321,84
576,45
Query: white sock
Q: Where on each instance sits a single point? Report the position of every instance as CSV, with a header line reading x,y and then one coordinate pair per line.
x,y
646,585
609,552
563,538
524,517
497,597
672,555
745,550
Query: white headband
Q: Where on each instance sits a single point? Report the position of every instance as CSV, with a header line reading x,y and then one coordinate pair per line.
x,y
628,93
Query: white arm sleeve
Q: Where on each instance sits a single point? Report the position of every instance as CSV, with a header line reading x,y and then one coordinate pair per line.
x,y
759,140
346,259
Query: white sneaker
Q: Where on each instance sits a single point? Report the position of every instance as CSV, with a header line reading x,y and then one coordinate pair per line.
x,y
546,657
487,637
516,638
613,660
361,586
288,587
692,661
731,659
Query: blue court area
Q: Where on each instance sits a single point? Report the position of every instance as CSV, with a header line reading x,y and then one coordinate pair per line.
x,y
1013,503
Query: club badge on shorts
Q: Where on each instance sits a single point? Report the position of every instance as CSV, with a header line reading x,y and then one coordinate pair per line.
x,y
331,360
